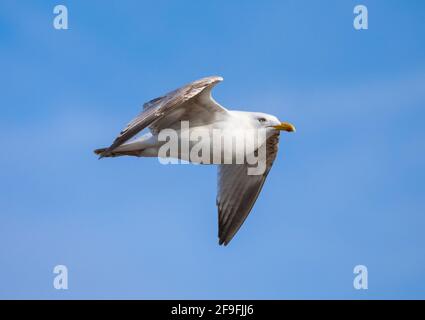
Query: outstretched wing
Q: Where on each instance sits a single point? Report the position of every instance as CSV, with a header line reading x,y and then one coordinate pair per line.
x,y
238,191
192,102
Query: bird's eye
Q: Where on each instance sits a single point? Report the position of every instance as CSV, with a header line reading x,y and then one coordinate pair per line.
x,y
262,119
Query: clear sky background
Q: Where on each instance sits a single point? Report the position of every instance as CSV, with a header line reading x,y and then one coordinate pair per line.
x,y
346,189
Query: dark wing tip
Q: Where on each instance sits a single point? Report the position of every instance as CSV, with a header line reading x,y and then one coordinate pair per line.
x,y
222,242
101,152
224,235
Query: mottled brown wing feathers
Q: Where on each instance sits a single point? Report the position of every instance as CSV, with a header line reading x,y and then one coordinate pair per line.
x,y
157,109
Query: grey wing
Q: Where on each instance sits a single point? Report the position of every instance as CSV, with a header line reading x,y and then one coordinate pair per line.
x,y
192,101
238,191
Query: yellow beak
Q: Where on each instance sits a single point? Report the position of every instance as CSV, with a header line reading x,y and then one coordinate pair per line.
x,y
285,126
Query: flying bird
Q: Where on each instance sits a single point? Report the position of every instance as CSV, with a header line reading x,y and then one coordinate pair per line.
x,y
237,190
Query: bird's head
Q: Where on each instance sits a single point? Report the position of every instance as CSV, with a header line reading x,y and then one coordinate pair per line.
x,y
264,120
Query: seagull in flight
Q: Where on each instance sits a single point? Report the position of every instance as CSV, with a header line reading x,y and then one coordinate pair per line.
x,y
237,190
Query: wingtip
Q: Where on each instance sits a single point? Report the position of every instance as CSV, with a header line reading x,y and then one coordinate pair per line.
x,y
102,153
105,154
223,242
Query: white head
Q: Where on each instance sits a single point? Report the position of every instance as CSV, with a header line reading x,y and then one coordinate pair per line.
x,y
268,121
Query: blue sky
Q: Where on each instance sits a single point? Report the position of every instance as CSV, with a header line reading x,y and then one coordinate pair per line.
x,y
346,189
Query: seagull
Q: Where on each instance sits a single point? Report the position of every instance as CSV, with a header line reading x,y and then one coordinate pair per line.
x,y
237,190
